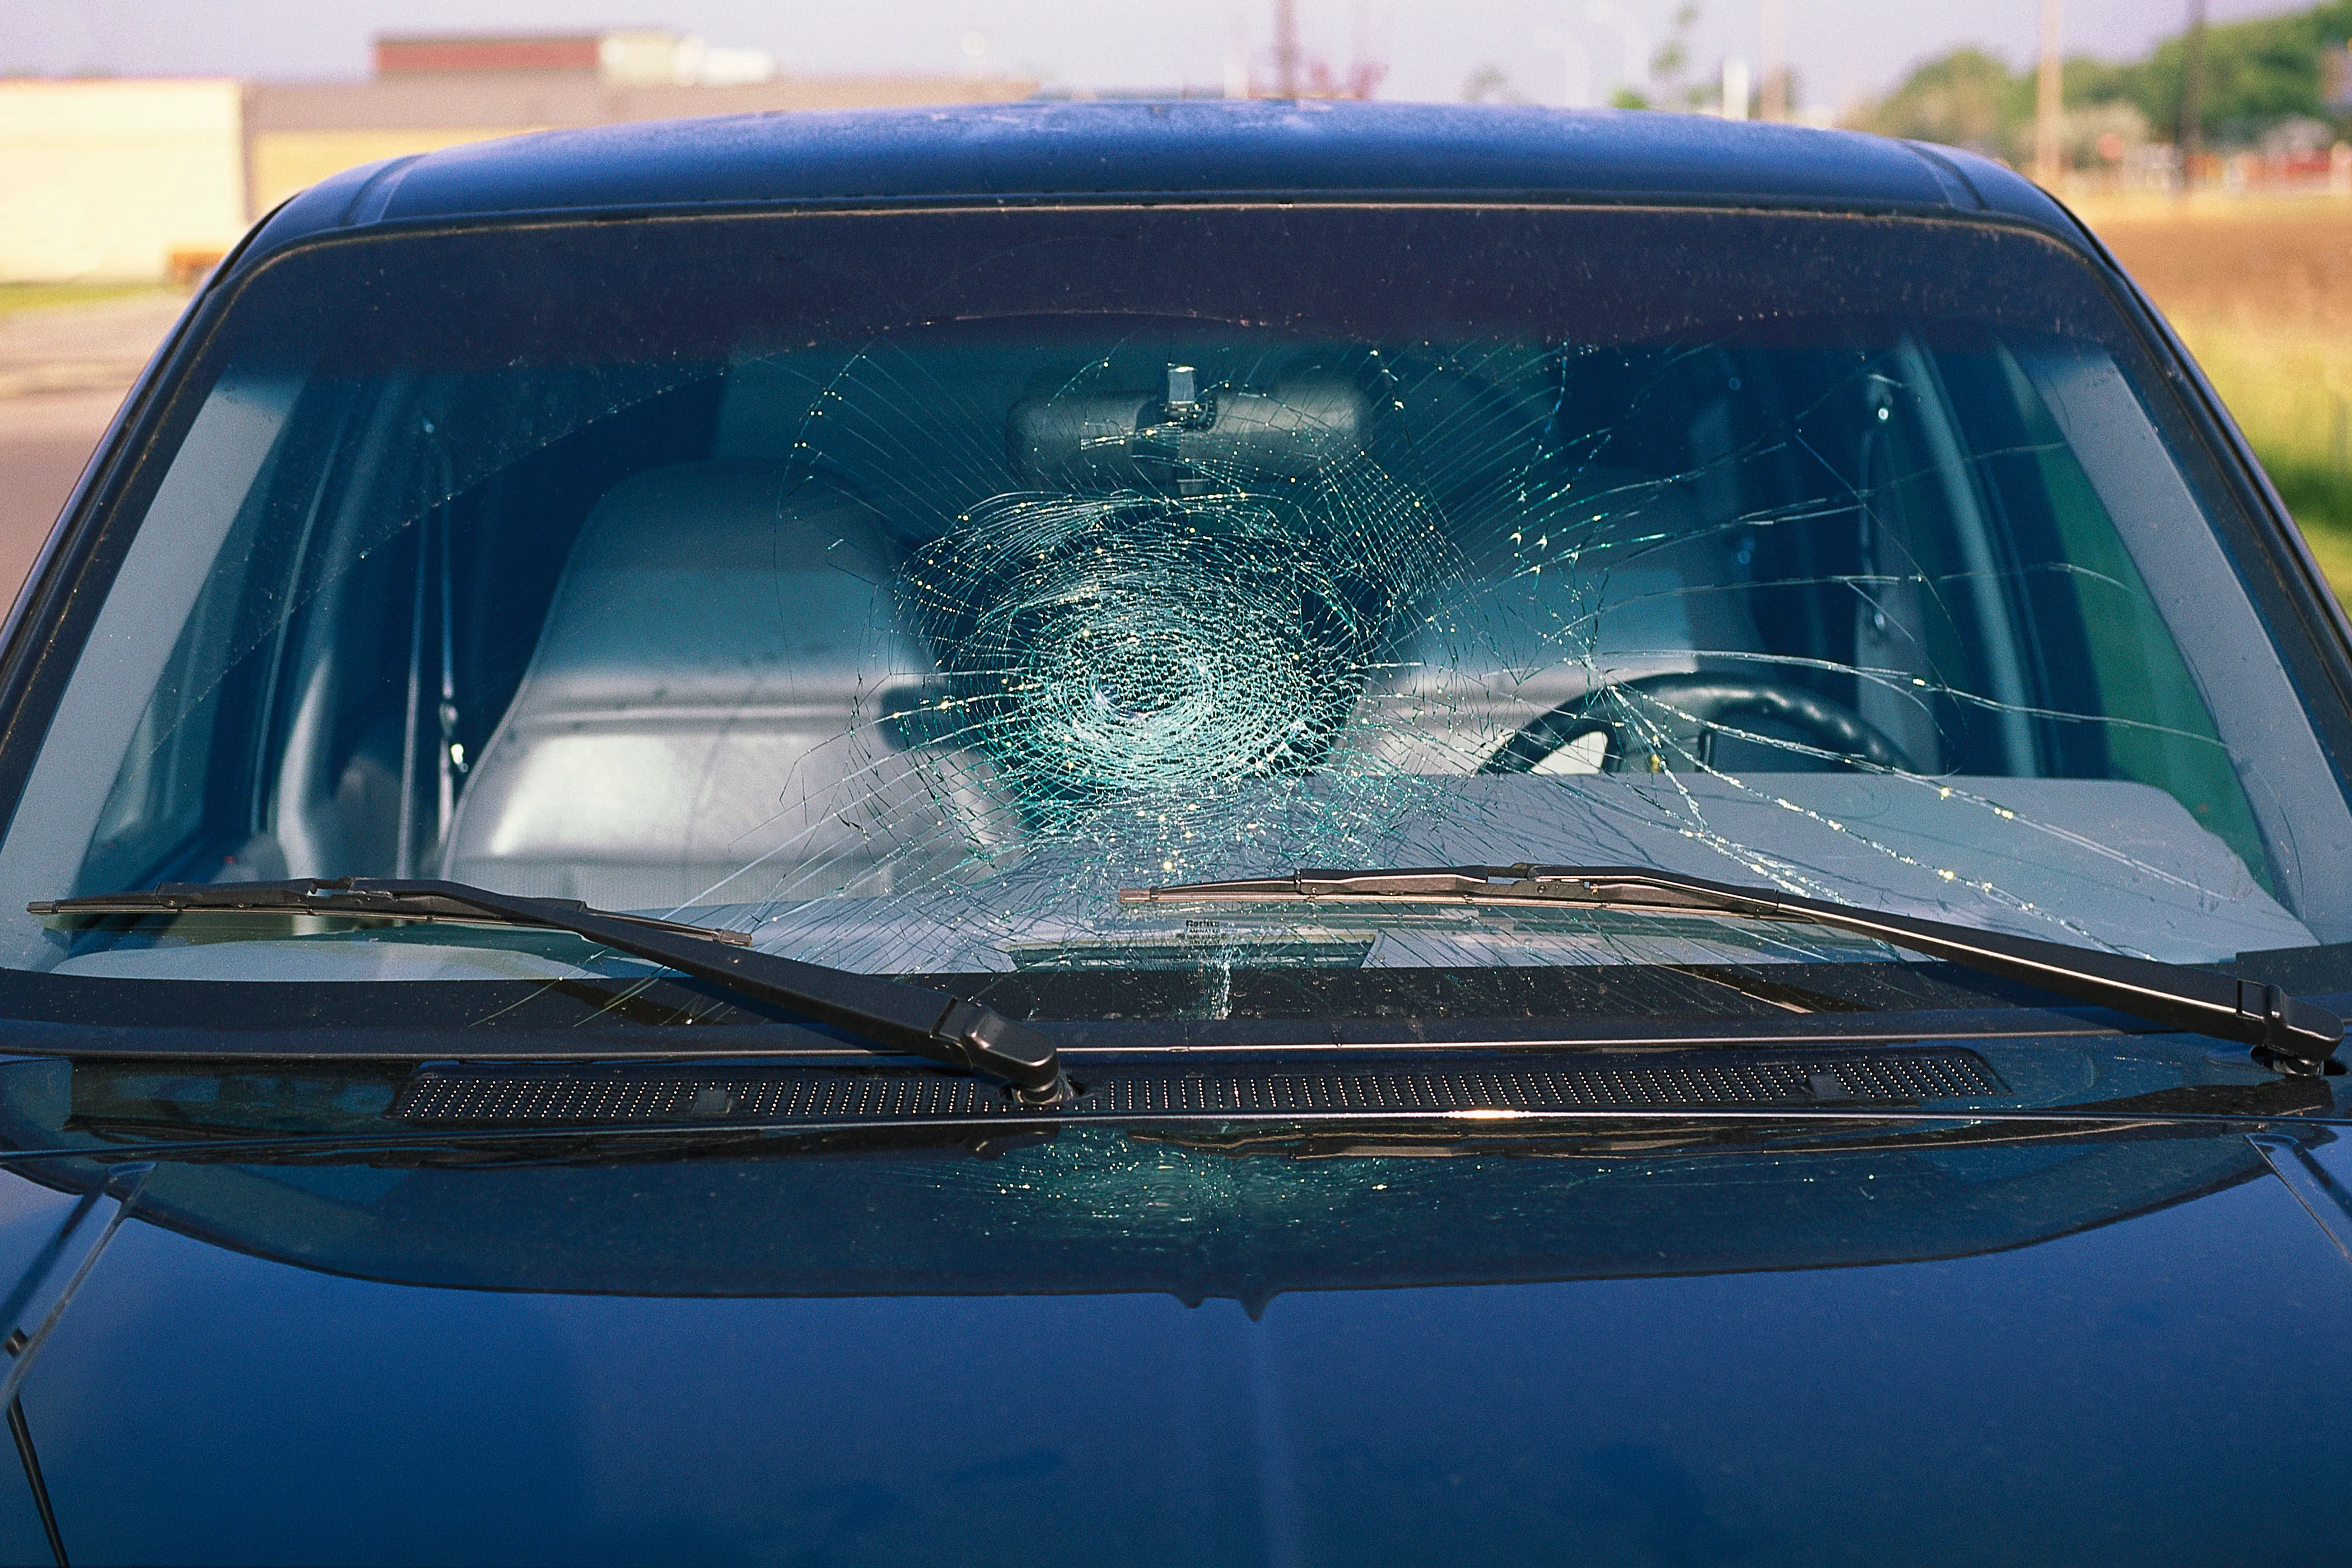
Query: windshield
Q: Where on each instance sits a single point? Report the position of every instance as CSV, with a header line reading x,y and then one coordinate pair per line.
x,y
898,587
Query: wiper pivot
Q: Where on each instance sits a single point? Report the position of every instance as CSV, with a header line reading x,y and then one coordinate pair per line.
x,y
2293,1035
874,1008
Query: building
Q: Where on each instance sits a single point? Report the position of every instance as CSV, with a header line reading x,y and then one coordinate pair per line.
x,y
119,179
150,179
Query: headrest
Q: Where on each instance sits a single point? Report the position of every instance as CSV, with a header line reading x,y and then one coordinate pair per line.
x,y
704,582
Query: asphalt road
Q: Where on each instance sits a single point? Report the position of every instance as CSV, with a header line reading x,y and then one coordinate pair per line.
x,y
44,442
63,371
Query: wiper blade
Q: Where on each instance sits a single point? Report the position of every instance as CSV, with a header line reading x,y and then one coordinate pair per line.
x,y
2293,1035
874,1008
351,896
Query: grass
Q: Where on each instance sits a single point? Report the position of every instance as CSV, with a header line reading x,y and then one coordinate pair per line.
x,y
2321,499
2260,291
2291,392
32,296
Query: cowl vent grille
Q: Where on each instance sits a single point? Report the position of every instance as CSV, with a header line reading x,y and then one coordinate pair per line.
x,y
607,1096
541,1095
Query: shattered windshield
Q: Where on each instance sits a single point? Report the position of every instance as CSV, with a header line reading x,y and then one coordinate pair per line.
x,y
898,588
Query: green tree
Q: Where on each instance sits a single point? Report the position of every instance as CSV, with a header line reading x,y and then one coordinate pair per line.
x,y
2256,72
2089,82
2262,70
1964,99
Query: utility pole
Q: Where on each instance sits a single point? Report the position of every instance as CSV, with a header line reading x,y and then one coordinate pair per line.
x,y
1285,49
2049,95
1635,63
1772,97
2192,91
1735,88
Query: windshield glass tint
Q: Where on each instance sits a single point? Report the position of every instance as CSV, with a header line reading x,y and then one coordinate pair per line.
x,y
901,586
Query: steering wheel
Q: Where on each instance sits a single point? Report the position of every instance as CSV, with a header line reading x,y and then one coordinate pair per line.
x,y
1689,712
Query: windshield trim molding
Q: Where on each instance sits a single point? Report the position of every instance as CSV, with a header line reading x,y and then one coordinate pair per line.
x,y
77,565
76,570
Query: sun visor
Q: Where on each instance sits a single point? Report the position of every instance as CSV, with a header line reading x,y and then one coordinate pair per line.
x,y
1183,432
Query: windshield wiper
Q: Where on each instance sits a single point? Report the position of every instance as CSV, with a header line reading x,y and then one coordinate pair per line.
x,y
2293,1036
874,1008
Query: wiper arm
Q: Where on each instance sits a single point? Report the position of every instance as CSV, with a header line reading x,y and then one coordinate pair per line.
x,y
2293,1035
883,1012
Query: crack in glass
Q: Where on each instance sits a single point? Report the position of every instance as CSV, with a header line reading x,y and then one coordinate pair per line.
x,y
1197,657
908,649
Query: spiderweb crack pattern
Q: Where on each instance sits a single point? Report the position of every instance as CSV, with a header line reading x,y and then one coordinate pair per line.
x,y
1185,662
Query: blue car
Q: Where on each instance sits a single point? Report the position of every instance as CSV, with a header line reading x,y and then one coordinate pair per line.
x,y
1192,832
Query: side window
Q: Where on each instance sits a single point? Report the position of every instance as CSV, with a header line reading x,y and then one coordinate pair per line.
x,y
364,624
156,805
201,552
2156,729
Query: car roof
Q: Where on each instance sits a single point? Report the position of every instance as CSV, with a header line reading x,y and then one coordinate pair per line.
x,y
1190,149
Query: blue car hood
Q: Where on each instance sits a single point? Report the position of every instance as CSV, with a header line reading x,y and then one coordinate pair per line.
x,y
2118,1345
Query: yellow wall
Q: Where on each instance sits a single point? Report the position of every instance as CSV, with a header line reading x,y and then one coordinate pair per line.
x,y
109,179
284,162
106,179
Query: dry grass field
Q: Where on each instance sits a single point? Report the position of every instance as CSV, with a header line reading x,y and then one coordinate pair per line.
x,y
2261,290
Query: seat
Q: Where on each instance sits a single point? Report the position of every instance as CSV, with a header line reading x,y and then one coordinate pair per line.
x,y
1500,645
704,719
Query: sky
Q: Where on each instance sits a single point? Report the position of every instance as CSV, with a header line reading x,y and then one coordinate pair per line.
x,y
1841,50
